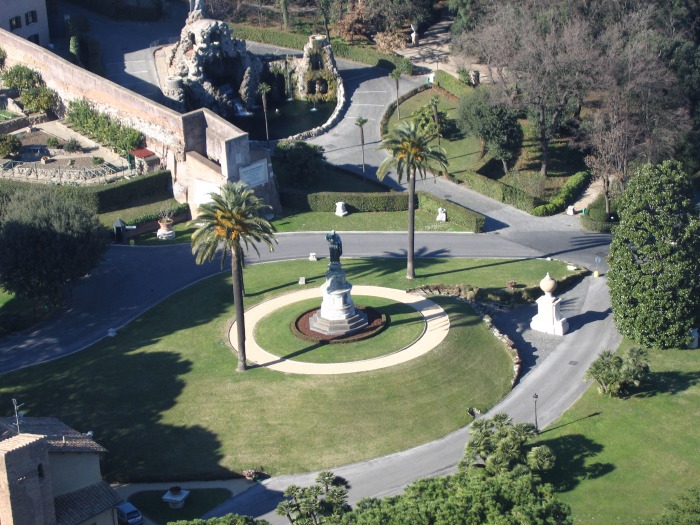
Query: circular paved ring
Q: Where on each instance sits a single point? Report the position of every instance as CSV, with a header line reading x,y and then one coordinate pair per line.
x,y
436,320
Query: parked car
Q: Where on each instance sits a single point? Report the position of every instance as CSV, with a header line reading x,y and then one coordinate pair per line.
x,y
127,514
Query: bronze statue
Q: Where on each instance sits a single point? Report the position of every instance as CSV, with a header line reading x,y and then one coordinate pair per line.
x,y
335,246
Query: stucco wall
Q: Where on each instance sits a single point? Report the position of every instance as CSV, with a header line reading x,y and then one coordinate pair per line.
x,y
72,471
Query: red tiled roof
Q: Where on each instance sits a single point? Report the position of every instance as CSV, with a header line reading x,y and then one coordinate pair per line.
x,y
142,153
59,436
80,505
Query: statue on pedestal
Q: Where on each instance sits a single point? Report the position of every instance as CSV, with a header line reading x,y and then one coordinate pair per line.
x,y
335,246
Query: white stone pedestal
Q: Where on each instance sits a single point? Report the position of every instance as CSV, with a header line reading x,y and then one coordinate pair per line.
x,y
337,315
548,318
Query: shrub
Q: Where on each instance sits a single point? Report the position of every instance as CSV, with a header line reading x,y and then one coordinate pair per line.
x,y
22,78
180,209
302,163
72,145
596,219
104,129
40,99
52,142
3,57
566,195
9,145
97,161
451,84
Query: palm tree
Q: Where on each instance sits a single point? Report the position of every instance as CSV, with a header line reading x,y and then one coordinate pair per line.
x,y
360,122
231,221
396,75
411,155
434,101
264,89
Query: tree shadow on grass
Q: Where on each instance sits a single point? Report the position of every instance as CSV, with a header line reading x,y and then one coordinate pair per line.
x,y
574,454
666,383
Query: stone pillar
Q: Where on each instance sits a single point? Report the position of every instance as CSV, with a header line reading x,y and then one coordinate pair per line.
x,y
548,318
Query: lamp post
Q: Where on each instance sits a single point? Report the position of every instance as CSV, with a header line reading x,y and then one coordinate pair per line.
x,y
534,398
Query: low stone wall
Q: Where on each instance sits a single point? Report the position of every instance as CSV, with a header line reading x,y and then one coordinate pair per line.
x,y
8,126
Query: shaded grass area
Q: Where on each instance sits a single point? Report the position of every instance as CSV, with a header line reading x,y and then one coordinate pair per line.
x,y
463,152
151,205
18,313
406,325
198,502
164,398
622,460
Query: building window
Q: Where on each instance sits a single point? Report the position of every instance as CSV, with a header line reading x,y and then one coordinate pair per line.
x,y
15,22
30,17
40,469
34,38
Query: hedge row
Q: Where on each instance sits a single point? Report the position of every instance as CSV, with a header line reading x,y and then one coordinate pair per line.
x,y
361,54
499,191
566,195
451,84
375,202
103,197
595,219
179,210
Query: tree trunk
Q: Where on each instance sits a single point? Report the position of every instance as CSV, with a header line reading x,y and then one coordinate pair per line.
x,y
398,110
410,272
239,311
267,131
544,142
505,166
606,195
362,140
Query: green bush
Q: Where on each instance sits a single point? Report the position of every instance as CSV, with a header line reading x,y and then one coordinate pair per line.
x,y
180,209
21,78
451,84
104,129
358,202
40,99
301,163
9,145
595,219
499,191
72,145
567,195
52,142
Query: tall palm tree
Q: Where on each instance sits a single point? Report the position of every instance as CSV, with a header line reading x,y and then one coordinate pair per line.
x,y
360,122
264,89
396,75
434,101
231,221
411,155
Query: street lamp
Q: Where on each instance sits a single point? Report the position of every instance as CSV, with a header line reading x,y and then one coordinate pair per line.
x,y
534,398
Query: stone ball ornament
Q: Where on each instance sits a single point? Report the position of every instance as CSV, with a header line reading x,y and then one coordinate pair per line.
x,y
548,285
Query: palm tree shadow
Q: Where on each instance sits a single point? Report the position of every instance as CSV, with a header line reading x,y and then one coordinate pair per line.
x,y
574,454
675,382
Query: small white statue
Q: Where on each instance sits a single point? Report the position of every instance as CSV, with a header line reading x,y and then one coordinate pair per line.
x,y
340,210
442,215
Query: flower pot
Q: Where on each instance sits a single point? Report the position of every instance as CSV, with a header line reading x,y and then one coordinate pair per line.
x,y
166,224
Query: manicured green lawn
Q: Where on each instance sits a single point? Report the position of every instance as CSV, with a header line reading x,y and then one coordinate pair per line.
x,y
164,398
198,502
622,460
406,325
128,214
376,221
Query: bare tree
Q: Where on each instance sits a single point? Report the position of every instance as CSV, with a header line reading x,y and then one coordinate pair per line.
x,y
540,58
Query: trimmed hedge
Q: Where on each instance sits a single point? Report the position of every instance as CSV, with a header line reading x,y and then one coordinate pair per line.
x,y
377,202
179,210
596,219
499,191
104,197
365,55
451,84
566,195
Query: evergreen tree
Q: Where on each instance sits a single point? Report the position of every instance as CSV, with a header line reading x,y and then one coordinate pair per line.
x,y
654,259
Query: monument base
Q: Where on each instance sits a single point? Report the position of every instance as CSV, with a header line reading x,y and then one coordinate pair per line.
x,y
548,319
338,315
347,326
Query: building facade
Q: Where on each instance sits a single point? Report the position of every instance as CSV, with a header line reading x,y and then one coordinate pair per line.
x,y
26,18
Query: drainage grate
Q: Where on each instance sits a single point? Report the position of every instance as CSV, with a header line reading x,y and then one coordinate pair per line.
x,y
574,363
